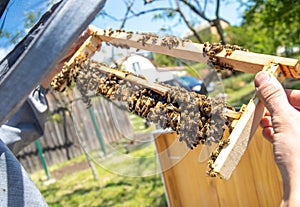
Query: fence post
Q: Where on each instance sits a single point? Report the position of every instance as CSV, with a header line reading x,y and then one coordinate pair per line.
x,y
40,150
99,136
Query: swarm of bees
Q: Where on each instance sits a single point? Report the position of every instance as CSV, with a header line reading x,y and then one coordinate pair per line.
x,y
170,42
212,49
196,118
214,156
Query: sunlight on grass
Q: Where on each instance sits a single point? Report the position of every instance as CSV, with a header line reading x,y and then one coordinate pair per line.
x,y
78,188
239,89
242,96
140,125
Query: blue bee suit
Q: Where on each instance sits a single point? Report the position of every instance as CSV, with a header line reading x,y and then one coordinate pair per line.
x,y
16,187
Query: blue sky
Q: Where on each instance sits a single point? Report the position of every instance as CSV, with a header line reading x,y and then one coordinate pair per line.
x,y
145,23
230,11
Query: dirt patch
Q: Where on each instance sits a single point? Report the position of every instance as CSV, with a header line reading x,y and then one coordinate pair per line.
x,y
74,167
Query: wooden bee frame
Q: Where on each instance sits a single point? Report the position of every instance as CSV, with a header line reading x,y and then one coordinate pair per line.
x,y
246,120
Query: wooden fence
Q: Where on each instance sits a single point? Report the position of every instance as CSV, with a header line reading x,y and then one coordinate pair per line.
x,y
72,120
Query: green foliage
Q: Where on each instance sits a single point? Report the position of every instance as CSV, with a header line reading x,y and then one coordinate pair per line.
x,y
278,20
31,18
164,60
167,14
206,35
239,88
249,37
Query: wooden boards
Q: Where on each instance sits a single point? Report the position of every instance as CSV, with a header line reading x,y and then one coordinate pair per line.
x,y
240,137
255,182
239,60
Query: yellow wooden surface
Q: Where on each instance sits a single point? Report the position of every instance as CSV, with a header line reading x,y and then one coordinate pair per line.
x,y
255,182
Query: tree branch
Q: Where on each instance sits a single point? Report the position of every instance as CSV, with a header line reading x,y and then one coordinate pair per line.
x,y
199,5
129,6
103,13
217,24
205,6
217,9
148,11
187,23
194,9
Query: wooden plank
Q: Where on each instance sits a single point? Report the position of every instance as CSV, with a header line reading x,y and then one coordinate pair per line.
x,y
162,142
243,131
160,89
240,137
244,61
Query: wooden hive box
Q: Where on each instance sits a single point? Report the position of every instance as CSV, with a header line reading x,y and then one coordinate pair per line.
x,y
255,182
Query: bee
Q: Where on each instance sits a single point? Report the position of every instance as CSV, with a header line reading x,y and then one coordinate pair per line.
x,y
211,164
211,173
213,62
228,52
154,40
110,32
175,42
110,91
138,106
129,35
152,116
170,42
145,38
185,41
206,47
131,103
165,42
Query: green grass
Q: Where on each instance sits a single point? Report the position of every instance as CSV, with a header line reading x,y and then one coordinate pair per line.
x,y
78,188
239,88
292,84
241,96
138,124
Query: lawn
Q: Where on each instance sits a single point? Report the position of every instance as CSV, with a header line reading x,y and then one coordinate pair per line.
x,y
239,89
75,184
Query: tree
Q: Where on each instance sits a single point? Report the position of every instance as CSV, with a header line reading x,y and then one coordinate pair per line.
x,y
249,37
278,20
164,60
30,17
190,12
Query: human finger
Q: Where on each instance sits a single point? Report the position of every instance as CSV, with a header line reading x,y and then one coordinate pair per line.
x,y
270,91
266,122
267,113
293,97
268,133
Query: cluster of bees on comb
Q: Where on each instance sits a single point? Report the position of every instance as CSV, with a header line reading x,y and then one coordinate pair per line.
x,y
211,49
148,38
196,118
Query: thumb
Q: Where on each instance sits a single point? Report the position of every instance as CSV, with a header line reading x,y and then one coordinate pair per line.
x,y
271,93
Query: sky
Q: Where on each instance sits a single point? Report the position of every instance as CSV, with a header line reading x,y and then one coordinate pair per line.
x,y
15,18
230,11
